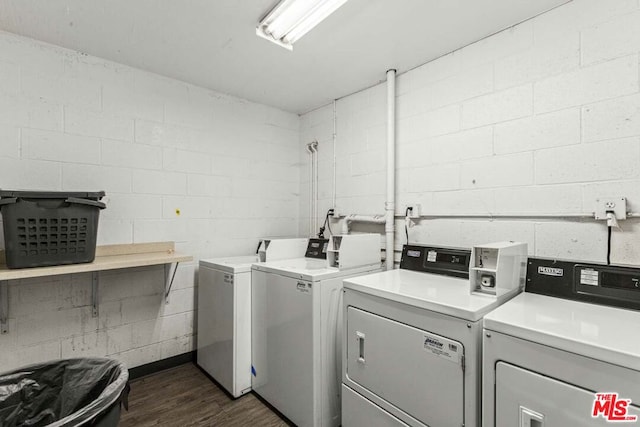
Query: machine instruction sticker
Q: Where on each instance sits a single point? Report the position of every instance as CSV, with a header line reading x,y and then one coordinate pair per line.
x,y
589,276
443,348
303,287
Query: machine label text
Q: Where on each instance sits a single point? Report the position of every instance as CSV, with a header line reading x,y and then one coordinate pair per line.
x,y
551,271
442,347
303,287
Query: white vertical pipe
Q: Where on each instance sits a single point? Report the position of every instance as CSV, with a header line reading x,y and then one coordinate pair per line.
x,y
310,190
314,149
314,212
391,167
335,130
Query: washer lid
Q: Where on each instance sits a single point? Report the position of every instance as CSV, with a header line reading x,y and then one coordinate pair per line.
x,y
597,331
310,269
442,294
238,264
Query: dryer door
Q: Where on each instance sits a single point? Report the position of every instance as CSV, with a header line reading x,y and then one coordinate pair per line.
x,y
527,399
417,371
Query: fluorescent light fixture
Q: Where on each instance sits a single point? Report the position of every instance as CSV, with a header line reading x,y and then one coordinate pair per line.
x,y
292,19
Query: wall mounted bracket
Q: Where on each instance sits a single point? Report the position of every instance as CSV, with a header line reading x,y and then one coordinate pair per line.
x,y
168,279
94,293
4,307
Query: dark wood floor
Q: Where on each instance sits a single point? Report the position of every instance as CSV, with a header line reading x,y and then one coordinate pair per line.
x,y
184,396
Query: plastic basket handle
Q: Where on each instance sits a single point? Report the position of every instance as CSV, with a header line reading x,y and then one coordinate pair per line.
x,y
86,202
8,200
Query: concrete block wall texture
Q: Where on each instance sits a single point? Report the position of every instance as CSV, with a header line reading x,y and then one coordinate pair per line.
x,y
69,121
541,118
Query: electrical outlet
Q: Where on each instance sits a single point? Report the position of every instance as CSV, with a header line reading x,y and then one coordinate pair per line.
x,y
414,210
616,205
337,212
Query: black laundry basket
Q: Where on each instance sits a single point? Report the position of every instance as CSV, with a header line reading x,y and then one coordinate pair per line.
x,y
69,393
49,228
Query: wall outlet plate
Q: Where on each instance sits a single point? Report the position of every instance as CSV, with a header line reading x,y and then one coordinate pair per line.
x,y
617,205
415,212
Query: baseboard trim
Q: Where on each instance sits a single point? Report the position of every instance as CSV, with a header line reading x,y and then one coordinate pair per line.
x,y
213,380
274,409
257,396
161,365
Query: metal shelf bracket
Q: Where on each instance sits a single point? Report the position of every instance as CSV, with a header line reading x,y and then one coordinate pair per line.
x,y
168,279
4,307
94,293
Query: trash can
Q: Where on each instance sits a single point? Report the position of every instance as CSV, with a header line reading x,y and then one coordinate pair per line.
x,y
71,392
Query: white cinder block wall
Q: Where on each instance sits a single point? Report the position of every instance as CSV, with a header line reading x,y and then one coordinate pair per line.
x,y
69,121
542,118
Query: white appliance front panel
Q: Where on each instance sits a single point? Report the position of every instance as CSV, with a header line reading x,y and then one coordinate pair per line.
x,y
413,369
360,412
297,346
312,269
593,330
442,294
284,346
527,399
569,368
224,328
236,264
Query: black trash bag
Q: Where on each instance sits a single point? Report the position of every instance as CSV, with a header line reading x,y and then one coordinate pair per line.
x,y
70,392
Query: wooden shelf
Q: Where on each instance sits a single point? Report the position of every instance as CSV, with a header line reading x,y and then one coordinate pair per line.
x,y
110,257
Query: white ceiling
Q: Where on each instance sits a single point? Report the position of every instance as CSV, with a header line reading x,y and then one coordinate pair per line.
x,y
212,43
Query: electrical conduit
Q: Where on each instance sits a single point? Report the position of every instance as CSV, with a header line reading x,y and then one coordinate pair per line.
x,y
389,206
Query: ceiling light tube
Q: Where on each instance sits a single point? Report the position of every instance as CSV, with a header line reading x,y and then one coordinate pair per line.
x,y
292,19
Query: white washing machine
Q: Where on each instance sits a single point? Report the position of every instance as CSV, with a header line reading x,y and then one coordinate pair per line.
x,y
412,342
566,351
296,327
224,313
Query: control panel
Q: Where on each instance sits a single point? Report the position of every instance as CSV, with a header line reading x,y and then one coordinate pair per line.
x,y
317,248
431,259
602,284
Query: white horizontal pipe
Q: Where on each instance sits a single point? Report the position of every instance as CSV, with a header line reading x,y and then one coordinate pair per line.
x,y
532,215
490,216
376,219
370,219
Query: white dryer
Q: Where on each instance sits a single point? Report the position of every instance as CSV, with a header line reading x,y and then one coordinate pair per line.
x,y
565,352
296,327
412,342
224,313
